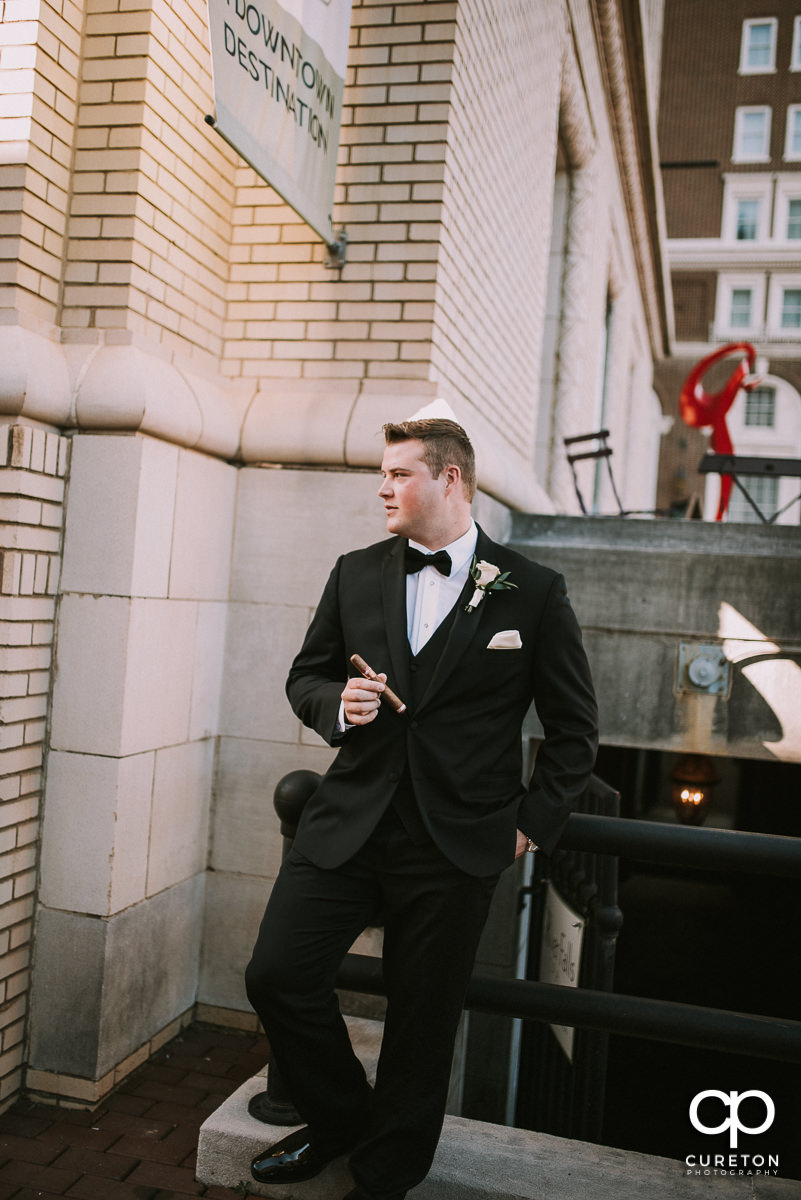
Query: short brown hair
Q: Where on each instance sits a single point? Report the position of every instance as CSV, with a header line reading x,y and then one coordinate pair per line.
x,y
444,444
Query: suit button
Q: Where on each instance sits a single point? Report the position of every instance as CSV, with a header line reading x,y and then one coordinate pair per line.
x,y
413,724
412,666
393,777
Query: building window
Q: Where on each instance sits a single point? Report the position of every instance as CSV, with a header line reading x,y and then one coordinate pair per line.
x,y
747,220
783,318
752,134
739,305
792,142
758,46
793,220
787,209
740,311
763,489
791,308
760,407
747,206
795,56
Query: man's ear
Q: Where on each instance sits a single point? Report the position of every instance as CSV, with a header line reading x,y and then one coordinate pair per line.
x,y
453,475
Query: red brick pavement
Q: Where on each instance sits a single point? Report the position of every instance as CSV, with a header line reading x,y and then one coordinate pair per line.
x,y
140,1143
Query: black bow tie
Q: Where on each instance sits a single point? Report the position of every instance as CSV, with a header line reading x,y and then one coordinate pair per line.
x,y
416,560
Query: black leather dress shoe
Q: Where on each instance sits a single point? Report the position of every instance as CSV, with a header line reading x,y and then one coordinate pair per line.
x,y
292,1160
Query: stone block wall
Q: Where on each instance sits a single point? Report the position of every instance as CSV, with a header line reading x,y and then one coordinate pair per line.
x,y
290,527
134,719
644,589
33,465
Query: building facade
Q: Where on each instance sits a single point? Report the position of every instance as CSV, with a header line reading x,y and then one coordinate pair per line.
x,y
192,404
730,145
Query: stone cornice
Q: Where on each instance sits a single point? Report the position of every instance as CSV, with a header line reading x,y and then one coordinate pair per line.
x,y
713,254
121,387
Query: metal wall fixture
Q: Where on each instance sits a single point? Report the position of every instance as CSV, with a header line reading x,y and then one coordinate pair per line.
x,y
702,667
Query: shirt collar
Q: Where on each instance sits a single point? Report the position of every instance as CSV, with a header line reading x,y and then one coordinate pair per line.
x,y
461,551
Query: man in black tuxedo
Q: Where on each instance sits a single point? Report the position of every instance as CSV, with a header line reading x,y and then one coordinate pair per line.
x,y
419,812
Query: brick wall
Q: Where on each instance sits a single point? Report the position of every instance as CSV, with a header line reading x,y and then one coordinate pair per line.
x,y
444,185
32,469
693,304
39,60
701,89
440,196
702,84
287,318
150,212
498,193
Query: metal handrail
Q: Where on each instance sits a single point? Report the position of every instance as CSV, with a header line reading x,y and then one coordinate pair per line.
x,y
637,1016
632,1016
684,845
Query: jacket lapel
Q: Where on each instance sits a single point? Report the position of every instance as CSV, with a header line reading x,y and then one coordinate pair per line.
x,y
464,629
393,592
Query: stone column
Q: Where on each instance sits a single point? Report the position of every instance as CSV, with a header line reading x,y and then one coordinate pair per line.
x,y
140,638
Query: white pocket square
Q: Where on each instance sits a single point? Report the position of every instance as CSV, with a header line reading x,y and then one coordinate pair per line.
x,y
506,639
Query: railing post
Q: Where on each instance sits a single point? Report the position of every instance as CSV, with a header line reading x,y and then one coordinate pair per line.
x,y
289,800
274,1106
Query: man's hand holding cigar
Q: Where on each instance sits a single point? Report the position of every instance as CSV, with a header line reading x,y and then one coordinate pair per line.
x,y
368,692
362,699
363,696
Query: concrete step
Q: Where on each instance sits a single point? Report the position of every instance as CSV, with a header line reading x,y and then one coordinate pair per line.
x,y
230,1137
475,1160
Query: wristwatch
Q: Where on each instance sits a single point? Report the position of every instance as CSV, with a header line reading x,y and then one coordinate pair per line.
x,y
531,847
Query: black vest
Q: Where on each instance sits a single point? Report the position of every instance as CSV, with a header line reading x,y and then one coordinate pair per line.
x,y
421,670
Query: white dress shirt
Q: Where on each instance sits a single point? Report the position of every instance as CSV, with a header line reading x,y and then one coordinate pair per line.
x,y
430,596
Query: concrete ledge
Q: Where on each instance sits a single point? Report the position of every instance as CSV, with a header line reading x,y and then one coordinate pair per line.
x,y
230,1137
475,1161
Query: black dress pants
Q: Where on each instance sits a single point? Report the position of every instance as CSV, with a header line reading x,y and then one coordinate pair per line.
x,y
433,917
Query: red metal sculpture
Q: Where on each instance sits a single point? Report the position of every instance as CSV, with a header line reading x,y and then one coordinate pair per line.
x,y
702,409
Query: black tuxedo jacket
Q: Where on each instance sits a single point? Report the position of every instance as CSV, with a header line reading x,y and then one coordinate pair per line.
x,y
461,741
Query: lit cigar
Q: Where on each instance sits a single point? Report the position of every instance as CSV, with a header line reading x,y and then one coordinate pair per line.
x,y
392,700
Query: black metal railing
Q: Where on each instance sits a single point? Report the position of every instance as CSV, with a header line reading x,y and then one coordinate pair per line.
x,y
685,845
631,1016
561,1080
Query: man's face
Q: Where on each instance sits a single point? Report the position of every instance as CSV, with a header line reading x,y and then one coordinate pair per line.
x,y
413,500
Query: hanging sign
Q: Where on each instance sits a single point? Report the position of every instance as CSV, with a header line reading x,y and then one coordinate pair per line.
x,y
560,954
279,76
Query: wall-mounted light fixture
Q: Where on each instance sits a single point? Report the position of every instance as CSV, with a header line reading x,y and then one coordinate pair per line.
x,y
693,778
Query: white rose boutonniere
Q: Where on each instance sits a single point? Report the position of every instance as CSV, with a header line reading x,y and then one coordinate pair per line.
x,y
487,578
